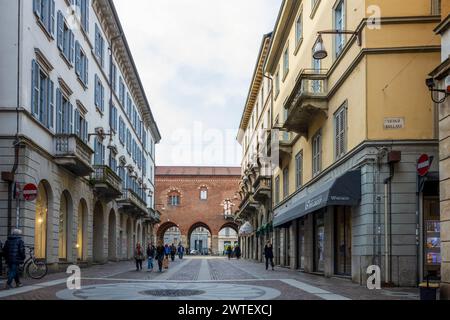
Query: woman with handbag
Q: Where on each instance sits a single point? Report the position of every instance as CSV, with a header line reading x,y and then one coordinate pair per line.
x,y
138,256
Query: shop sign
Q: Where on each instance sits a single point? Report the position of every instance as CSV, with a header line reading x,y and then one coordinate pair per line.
x,y
394,123
313,203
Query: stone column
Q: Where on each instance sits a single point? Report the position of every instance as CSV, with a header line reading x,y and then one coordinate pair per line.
x,y
293,245
215,244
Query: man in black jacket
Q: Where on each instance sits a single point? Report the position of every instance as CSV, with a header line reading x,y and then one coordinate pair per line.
x,y
268,253
14,253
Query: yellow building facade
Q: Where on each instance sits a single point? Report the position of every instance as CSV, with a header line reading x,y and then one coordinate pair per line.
x,y
352,127
440,80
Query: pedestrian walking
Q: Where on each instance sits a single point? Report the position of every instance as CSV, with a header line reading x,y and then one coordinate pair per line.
x,y
173,252
237,252
268,254
14,253
167,251
138,256
180,251
229,252
160,253
151,253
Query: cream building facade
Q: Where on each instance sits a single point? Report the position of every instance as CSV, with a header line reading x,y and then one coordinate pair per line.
x,y
254,136
352,127
75,121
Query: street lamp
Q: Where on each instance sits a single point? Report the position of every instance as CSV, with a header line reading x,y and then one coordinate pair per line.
x,y
432,85
321,53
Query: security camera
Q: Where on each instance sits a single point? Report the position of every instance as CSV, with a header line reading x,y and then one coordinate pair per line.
x,y
430,83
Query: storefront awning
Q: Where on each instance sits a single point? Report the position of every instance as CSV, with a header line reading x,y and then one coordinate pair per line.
x,y
246,229
342,191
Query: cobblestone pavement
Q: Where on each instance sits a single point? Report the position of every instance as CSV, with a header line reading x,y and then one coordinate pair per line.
x,y
197,278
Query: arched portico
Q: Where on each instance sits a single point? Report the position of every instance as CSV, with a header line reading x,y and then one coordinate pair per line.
x,y
98,230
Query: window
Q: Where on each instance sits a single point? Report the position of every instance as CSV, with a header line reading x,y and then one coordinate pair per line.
x,y
128,141
277,84
99,152
299,170
314,6
340,130
286,63
66,39
99,46
317,153
64,114
121,131
339,14
113,117
113,77
45,12
81,64
316,84
99,94
285,182
112,162
174,199
82,7
43,96
81,126
436,7
129,107
203,193
144,166
299,30
277,190
121,92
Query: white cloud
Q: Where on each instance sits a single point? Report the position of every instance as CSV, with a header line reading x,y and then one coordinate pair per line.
x,y
196,59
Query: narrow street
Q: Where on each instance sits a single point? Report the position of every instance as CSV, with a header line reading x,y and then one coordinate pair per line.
x,y
199,278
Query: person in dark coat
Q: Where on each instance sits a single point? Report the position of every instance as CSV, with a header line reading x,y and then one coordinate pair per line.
x,y
268,254
173,252
151,253
229,252
160,254
180,251
14,253
237,252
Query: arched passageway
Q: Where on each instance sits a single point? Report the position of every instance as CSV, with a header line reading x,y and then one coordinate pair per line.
x,y
41,219
65,227
200,238
112,236
82,230
98,244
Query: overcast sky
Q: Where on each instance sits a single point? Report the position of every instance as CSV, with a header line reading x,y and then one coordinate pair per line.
x,y
196,59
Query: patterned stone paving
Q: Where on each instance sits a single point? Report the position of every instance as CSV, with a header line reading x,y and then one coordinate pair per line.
x,y
220,279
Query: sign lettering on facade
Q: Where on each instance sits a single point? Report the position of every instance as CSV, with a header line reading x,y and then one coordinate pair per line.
x,y
394,123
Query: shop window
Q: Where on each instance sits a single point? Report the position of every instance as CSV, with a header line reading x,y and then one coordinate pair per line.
x,y
432,236
319,242
343,241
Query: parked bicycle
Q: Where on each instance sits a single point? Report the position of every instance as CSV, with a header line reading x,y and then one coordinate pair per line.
x,y
33,267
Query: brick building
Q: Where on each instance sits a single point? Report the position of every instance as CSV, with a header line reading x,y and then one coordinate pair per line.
x,y
197,197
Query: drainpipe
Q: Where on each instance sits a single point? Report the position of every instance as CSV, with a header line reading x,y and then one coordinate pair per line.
x,y
10,176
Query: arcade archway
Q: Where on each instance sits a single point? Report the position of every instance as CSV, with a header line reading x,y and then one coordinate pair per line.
x,y
200,238
169,233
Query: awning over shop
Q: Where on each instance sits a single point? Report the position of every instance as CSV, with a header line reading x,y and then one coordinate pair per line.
x,y
342,191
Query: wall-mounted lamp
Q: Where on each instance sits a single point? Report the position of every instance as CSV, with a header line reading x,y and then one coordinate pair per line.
x,y
321,53
431,84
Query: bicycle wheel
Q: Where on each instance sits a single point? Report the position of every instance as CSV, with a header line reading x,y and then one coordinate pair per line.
x,y
37,270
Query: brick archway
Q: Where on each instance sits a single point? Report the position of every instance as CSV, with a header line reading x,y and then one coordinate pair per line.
x,y
194,227
194,208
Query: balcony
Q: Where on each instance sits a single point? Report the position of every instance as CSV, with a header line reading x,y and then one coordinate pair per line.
x,y
248,206
262,188
308,99
107,184
153,216
130,202
73,154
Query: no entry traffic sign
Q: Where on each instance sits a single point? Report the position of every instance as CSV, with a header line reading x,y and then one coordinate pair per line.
x,y
30,192
423,165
